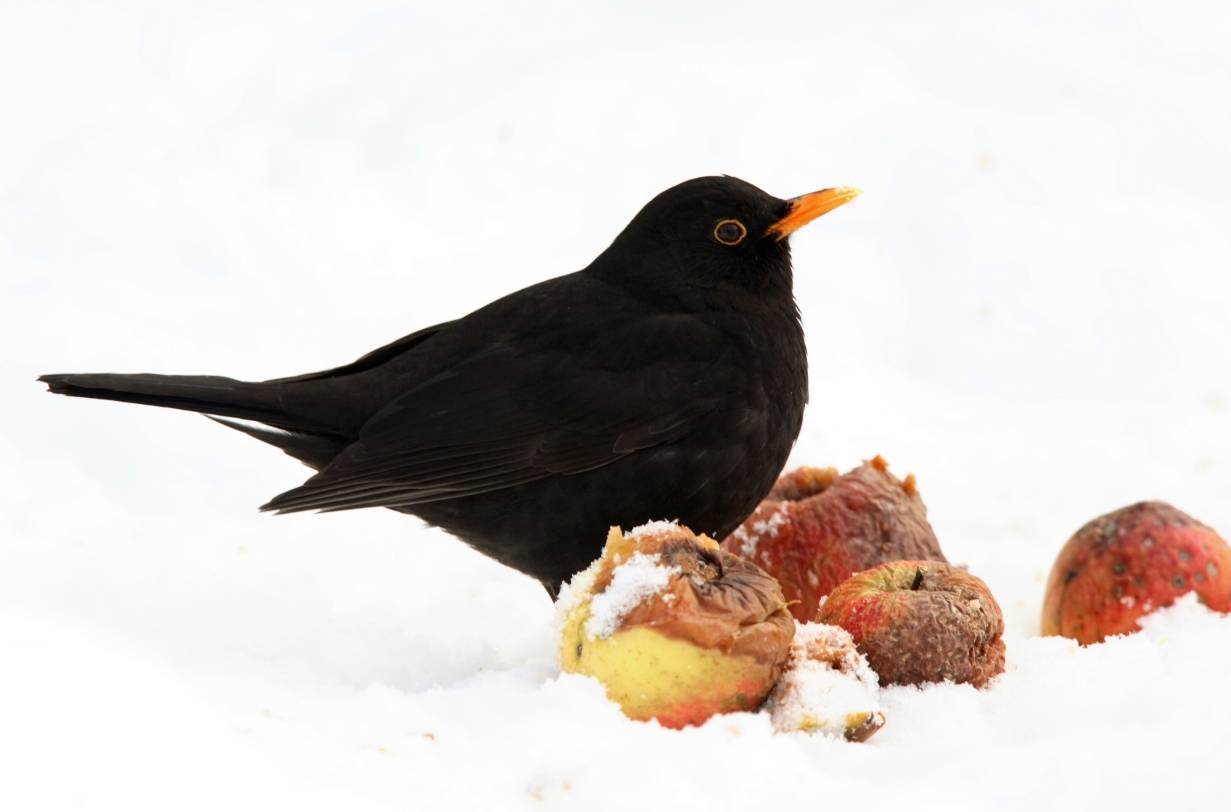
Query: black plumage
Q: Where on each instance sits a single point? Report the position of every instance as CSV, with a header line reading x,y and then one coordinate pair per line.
x,y
667,380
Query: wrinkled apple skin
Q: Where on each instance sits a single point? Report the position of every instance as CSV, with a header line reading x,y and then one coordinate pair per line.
x,y
920,622
1128,563
815,529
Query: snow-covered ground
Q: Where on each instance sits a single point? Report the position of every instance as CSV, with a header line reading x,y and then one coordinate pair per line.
x,y
1029,308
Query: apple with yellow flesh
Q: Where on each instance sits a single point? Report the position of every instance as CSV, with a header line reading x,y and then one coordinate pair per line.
x,y
675,628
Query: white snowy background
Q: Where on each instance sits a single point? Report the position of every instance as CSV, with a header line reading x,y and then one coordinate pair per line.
x,y
1028,308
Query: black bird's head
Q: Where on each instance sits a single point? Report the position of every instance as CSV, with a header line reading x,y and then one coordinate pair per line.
x,y
713,235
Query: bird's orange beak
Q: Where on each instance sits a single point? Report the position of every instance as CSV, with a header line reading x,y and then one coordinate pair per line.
x,y
806,208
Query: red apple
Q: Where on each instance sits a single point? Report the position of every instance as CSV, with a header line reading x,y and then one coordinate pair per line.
x,y
1128,563
817,528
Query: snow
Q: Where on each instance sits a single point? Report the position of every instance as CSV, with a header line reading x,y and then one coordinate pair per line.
x,y
750,537
634,581
573,593
826,681
653,528
1027,307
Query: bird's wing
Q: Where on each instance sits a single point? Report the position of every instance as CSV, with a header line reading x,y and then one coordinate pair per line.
x,y
511,414
373,359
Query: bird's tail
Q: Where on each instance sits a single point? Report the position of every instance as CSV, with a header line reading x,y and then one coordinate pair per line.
x,y
302,437
195,393
315,415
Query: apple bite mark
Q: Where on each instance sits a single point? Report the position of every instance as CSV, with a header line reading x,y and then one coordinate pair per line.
x,y
816,528
921,621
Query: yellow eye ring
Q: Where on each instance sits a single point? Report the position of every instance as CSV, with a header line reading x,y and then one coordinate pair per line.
x,y
730,232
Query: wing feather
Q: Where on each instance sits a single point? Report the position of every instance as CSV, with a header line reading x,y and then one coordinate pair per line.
x,y
511,414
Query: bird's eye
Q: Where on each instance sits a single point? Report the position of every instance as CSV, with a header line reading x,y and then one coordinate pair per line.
x,y
730,232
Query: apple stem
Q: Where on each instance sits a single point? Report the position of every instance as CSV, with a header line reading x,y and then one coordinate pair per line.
x,y
915,584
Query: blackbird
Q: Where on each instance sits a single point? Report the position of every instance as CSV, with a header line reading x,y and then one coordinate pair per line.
x,y
666,380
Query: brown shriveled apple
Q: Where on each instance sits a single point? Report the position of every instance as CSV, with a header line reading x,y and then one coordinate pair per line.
x,y
920,621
